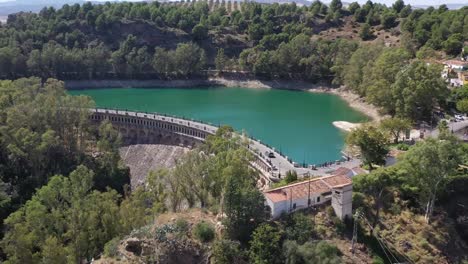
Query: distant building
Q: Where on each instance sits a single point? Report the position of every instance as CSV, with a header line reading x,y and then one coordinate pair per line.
x,y
456,64
337,189
463,77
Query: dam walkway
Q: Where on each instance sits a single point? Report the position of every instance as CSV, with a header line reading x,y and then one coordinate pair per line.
x,y
147,128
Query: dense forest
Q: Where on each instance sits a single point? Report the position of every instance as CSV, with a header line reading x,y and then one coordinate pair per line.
x,y
154,40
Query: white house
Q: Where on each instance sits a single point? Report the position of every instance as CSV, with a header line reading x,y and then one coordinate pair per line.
x,y
337,189
456,64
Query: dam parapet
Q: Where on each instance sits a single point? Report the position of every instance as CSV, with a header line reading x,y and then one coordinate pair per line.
x,y
153,128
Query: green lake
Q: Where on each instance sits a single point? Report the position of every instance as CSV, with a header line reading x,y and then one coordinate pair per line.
x,y
297,123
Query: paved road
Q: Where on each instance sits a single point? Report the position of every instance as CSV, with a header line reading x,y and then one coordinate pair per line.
x,y
455,127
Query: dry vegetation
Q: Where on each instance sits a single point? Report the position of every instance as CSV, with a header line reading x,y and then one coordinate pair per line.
x,y
349,30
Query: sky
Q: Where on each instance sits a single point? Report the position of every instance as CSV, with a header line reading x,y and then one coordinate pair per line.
x,y
419,2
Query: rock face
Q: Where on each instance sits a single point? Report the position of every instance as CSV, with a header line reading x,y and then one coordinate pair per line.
x,y
179,251
143,158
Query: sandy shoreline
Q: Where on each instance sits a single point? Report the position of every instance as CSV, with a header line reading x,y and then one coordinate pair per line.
x,y
353,100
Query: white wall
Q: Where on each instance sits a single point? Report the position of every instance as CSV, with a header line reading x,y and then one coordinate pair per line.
x,y
287,206
342,204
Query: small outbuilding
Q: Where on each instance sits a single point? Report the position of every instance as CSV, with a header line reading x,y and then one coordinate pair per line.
x,y
337,189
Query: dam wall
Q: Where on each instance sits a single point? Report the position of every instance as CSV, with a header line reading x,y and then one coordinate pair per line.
x,y
153,128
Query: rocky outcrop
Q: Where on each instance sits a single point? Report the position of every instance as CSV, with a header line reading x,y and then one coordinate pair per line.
x,y
176,250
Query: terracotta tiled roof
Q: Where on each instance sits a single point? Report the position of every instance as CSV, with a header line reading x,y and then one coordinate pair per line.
x,y
301,189
456,62
342,171
337,181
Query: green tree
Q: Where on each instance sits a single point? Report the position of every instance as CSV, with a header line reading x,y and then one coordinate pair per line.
x,y
227,252
200,32
462,105
53,252
204,232
353,7
299,227
265,246
417,90
362,59
428,165
310,253
388,20
395,127
454,44
377,185
381,75
244,208
398,6
291,176
73,219
335,5
371,143
366,32
220,60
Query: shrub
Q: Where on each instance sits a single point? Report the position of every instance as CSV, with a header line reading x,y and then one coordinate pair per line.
x,y
403,147
111,247
330,211
182,225
204,232
227,251
377,260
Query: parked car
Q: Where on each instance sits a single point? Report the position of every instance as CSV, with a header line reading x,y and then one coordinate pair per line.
x,y
459,117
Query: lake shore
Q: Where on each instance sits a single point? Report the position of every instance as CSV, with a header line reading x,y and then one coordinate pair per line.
x,y
353,100
212,81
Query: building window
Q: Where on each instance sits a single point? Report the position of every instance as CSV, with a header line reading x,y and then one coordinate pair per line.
x,y
294,206
318,199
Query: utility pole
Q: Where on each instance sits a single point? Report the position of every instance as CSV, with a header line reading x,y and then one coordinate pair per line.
x,y
290,199
309,201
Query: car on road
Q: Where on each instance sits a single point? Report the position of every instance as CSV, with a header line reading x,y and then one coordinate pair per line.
x,y
459,117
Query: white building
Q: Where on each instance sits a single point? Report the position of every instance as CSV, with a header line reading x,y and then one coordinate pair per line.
x,y
456,64
337,189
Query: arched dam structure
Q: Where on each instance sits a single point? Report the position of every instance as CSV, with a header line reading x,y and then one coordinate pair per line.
x,y
153,128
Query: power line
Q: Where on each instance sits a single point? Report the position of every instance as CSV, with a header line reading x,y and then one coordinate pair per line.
x,y
384,243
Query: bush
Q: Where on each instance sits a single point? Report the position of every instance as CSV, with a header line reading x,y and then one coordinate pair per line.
x,y
403,147
377,260
204,232
182,225
227,251
330,211
111,247
291,176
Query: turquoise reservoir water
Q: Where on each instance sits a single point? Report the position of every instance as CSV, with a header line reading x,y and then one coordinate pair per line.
x,y
295,122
